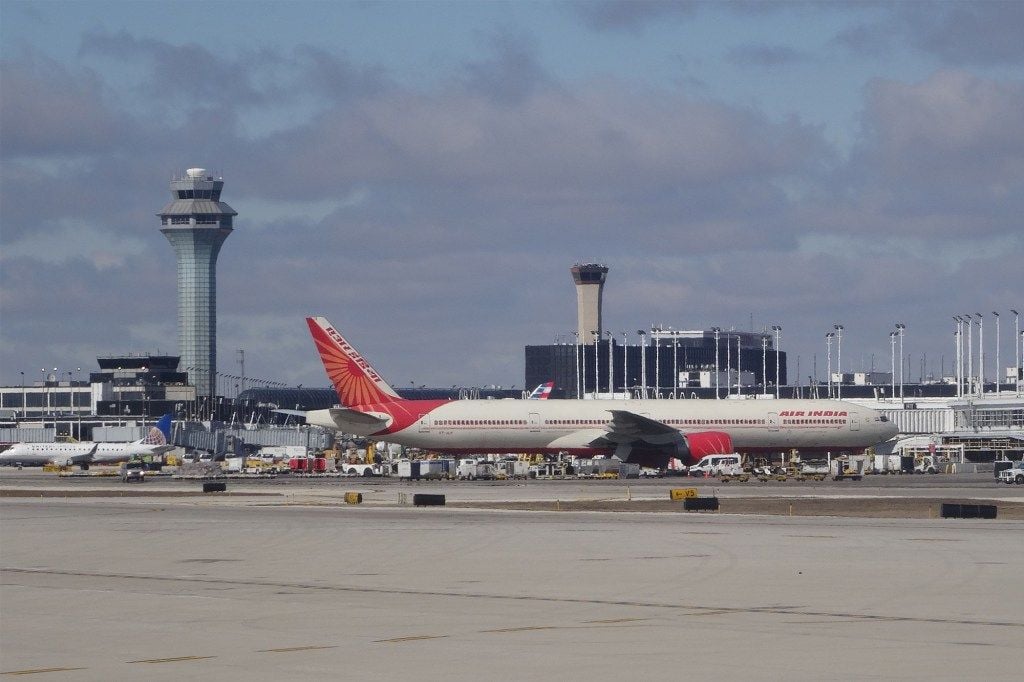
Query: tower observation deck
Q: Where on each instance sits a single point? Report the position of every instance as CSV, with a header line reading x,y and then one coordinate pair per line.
x,y
589,279
196,223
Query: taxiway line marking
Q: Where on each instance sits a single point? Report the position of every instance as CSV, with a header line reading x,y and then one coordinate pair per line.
x,y
35,671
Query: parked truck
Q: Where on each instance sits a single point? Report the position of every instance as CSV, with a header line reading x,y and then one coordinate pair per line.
x,y
1015,474
360,469
472,469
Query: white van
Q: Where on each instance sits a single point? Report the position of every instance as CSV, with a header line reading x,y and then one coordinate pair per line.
x,y
716,465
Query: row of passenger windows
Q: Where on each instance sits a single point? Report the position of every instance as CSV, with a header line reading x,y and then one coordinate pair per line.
x,y
480,422
813,421
602,422
673,422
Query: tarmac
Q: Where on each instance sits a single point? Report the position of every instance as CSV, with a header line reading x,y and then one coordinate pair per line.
x,y
282,581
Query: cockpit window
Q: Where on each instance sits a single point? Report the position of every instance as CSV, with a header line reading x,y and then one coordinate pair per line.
x,y
883,418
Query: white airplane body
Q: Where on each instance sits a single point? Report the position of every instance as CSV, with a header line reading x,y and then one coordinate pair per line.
x,y
650,432
86,453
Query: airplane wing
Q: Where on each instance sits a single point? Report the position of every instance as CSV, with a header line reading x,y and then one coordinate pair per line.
x,y
649,442
294,413
631,424
84,458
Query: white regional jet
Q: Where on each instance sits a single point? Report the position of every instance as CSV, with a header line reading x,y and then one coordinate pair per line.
x,y
649,432
85,453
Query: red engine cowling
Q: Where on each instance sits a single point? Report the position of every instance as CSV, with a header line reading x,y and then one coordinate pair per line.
x,y
708,443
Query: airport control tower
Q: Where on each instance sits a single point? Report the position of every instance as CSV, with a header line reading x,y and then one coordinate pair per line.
x,y
196,223
589,279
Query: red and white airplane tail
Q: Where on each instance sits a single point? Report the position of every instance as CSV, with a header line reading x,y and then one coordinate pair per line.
x,y
357,383
543,391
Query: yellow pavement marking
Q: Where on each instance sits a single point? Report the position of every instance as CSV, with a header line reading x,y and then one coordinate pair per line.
x,y
294,648
526,628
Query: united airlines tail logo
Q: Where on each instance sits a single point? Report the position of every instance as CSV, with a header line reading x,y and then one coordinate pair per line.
x,y
155,437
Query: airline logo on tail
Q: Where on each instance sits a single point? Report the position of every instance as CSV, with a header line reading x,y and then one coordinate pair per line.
x,y
354,379
542,392
160,433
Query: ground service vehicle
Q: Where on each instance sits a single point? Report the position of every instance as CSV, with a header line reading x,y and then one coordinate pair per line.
x,y
473,470
1014,474
715,465
133,472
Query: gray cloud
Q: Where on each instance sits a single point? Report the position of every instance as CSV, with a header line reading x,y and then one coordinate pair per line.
x,y
962,33
48,109
189,72
942,156
765,55
616,15
511,75
436,224
958,34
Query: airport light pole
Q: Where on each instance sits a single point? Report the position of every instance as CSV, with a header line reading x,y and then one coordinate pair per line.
x,y
625,363
1016,350
739,366
764,364
956,350
675,363
46,392
828,348
717,331
963,361
597,374
981,353
643,362
611,366
23,414
576,346
970,353
997,351
892,363
777,328
900,327
728,364
839,359
71,392
657,364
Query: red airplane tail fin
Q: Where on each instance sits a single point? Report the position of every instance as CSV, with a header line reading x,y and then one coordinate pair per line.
x,y
356,382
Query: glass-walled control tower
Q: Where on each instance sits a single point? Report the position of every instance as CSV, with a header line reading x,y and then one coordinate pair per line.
x,y
196,223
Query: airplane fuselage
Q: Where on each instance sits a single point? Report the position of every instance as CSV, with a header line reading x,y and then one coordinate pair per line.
x,y
471,426
72,453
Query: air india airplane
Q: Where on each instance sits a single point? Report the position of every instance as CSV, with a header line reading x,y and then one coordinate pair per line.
x,y
648,432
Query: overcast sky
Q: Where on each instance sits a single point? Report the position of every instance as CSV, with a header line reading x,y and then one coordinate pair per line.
x,y
424,175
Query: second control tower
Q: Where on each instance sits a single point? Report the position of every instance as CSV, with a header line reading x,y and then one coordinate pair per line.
x,y
589,279
196,223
